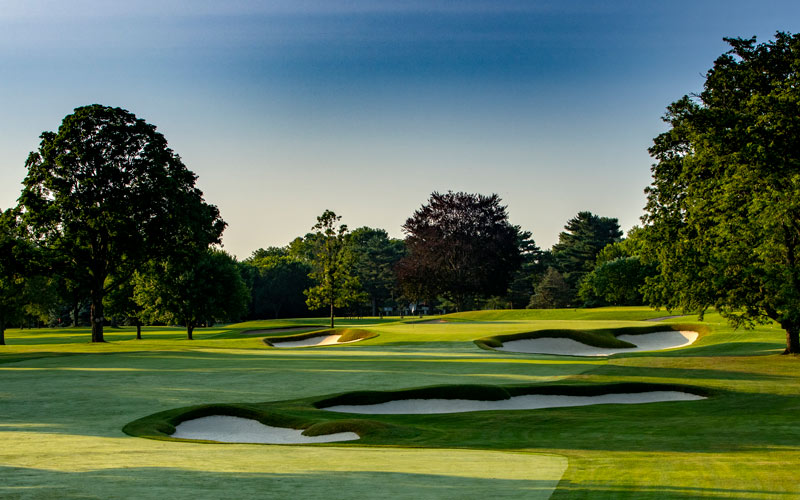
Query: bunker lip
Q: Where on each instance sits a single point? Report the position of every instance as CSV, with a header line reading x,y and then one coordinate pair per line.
x,y
656,341
317,340
228,429
523,402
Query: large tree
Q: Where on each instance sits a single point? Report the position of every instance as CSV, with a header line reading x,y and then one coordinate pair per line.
x,y
460,245
332,266
375,255
12,271
191,292
724,205
578,245
277,284
106,194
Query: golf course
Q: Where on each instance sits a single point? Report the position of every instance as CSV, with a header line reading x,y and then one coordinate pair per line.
x,y
95,420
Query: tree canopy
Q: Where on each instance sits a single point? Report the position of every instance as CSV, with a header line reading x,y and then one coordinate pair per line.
x,y
106,194
205,289
584,236
460,245
724,205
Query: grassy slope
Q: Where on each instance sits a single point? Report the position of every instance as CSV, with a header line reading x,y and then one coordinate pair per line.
x,y
742,443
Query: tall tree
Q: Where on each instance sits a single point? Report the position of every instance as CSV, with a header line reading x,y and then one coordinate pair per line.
x,y
192,292
332,267
12,271
530,272
578,245
724,205
551,292
106,194
460,245
375,255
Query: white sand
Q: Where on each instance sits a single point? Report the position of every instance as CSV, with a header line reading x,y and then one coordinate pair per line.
x,y
567,347
529,402
312,341
244,430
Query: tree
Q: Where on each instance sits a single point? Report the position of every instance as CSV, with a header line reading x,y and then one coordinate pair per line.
x,y
375,256
460,245
278,283
724,205
530,272
12,271
552,292
105,194
619,274
192,292
577,248
332,267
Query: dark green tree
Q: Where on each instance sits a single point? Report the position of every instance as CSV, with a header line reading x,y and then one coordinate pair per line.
x,y
105,194
530,272
724,206
552,292
12,271
619,274
192,292
278,283
461,246
375,255
578,245
332,267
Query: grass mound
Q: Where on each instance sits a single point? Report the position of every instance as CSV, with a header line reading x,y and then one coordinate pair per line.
x,y
605,337
347,335
480,392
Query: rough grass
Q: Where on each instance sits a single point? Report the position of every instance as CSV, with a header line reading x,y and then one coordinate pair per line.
x,y
63,403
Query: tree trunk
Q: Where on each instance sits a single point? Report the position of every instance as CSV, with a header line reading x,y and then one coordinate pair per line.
x,y
374,307
331,314
792,339
2,332
138,330
75,316
97,315
189,330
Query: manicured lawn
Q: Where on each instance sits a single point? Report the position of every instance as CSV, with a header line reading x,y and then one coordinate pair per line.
x,y
64,402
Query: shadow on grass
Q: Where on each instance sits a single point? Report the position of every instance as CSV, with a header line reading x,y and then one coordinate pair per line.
x,y
660,492
176,483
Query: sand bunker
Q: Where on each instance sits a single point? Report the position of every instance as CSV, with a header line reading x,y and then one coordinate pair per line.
x,y
227,429
311,341
528,402
567,347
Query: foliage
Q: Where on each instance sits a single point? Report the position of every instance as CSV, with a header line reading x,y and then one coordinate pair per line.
x,y
460,245
552,292
724,205
278,282
12,270
192,292
106,194
332,267
531,271
619,274
584,237
375,256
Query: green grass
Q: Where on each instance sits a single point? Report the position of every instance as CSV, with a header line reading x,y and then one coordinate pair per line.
x,y
64,403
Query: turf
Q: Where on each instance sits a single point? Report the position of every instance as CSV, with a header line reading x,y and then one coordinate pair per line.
x,y
64,403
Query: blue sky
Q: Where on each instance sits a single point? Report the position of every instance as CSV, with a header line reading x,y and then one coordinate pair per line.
x,y
287,108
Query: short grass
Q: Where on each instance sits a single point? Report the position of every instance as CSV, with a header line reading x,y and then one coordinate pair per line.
x,y
64,402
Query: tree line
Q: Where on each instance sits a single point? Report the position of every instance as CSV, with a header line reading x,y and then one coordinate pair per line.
x,y
110,225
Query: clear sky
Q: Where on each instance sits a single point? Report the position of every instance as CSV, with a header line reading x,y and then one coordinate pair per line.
x,y
286,108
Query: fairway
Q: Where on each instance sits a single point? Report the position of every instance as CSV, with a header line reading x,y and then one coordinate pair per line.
x,y
64,403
